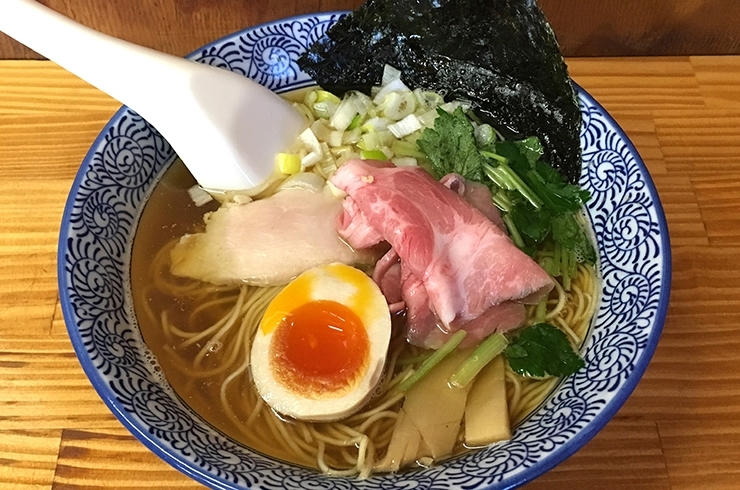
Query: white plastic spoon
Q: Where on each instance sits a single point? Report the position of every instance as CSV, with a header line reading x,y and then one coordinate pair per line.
x,y
226,128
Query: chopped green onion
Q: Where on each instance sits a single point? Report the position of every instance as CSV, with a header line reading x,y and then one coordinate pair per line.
x,y
323,95
397,105
352,137
433,360
310,98
324,110
390,73
375,141
428,100
289,163
481,356
406,149
373,155
344,115
405,126
355,122
375,124
335,138
395,86
405,161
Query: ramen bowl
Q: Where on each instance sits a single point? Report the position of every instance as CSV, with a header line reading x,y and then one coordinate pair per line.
x,y
128,159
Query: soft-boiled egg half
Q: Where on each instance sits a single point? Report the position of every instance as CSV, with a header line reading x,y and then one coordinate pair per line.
x,y
321,346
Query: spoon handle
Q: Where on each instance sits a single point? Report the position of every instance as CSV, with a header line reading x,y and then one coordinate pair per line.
x,y
202,111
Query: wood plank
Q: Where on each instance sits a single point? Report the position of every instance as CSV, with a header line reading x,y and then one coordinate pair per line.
x,y
638,83
28,87
28,458
584,28
718,77
112,459
702,454
705,140
682,210
624,455
29,230
717,197
42,386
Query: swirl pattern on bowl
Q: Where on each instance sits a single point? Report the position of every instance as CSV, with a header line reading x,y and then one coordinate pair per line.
x,y
125,163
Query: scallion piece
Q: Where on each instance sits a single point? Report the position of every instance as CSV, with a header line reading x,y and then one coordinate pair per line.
x,y
433,360
373,155
406,149
481,356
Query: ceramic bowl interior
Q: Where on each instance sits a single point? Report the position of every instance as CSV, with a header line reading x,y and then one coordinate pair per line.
x,y
126,162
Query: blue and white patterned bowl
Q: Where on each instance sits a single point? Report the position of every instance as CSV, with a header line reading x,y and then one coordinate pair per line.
x,y
126,162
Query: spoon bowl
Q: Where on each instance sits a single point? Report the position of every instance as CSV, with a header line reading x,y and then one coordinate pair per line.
x,y
225,127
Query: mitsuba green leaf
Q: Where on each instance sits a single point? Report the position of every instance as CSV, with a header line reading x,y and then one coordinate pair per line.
x,y
570,234
518,161
530,222
450,146
558,195
542,350
532,149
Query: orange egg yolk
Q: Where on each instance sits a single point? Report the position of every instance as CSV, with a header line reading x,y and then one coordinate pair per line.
x,y
320,349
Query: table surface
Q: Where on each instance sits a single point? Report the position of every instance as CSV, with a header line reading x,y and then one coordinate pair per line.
x,y
680,429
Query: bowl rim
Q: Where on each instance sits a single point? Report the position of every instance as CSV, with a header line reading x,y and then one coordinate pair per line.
x,y
567,449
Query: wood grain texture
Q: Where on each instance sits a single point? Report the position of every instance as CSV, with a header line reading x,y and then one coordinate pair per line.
x,y
679,430
584,27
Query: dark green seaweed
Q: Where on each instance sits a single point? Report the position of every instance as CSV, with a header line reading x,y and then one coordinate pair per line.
x,y
501,55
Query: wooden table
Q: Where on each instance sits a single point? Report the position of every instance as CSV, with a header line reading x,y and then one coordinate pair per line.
x,y
680,429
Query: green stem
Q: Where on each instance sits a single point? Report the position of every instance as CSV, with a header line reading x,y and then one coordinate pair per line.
x,y
502,201
506,178
494,156
541,311
481,356
513,232
433,360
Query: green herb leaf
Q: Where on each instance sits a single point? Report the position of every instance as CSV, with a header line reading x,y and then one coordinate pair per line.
x,y
532,223
559,196
512,151
542,350
531,149
450,146
570,234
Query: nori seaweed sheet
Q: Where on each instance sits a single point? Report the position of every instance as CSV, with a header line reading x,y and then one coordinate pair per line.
x,y
501,55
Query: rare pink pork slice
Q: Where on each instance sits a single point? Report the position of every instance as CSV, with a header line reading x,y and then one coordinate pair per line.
x,y
466,264
266,242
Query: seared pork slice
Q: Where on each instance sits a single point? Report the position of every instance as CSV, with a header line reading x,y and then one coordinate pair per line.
x,y
266,242
465,263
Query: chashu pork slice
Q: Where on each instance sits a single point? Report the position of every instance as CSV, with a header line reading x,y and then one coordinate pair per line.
x,y
459,258
266,242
